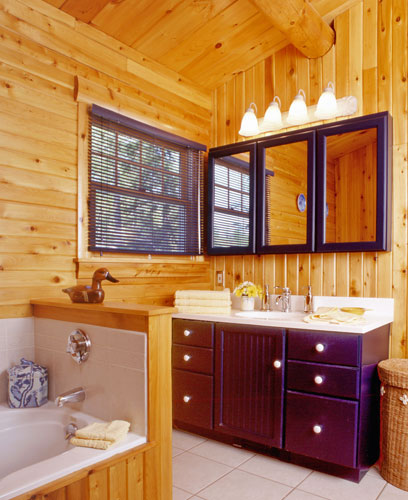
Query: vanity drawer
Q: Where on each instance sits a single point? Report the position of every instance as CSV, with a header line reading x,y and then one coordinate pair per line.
x,y
320,347
341,381
321,427
193,398
196,359
195,333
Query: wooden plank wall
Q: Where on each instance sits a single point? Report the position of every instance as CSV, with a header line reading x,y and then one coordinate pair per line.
x,y
369,61
42,51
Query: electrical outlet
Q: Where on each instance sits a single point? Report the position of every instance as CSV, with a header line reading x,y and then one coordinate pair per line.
x,y
220,278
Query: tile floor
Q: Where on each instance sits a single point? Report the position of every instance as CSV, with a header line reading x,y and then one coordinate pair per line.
x,y
208,470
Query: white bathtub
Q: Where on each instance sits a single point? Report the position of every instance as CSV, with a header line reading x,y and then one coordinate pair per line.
x,y
33,449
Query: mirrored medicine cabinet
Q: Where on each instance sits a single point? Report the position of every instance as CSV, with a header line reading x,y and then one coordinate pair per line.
x,y
324,188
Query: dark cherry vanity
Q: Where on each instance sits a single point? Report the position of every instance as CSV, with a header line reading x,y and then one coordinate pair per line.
x,y
308,396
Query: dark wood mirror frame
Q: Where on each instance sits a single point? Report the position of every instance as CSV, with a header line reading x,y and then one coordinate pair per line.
x,y
382,122
307,136
221,152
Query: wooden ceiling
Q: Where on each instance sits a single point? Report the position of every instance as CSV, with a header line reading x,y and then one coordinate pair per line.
x,y
205,41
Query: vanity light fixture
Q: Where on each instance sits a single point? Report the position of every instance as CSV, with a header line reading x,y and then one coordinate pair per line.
x,y
273,116
249,123
298,109
327,105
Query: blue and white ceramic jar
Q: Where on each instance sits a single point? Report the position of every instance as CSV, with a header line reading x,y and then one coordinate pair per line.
x,y
28,385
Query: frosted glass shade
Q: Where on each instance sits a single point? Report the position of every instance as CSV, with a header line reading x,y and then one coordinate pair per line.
x,y
298,110
273,116
249,123
327,105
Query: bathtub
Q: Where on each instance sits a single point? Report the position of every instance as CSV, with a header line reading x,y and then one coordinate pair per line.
x,y
34,450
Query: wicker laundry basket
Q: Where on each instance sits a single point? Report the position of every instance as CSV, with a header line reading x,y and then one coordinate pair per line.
x,y
394,421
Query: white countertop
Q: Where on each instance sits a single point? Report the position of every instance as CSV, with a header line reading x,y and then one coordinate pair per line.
x,y
380,312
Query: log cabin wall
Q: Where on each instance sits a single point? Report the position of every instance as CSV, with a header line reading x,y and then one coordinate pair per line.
x,y
369,61
42,139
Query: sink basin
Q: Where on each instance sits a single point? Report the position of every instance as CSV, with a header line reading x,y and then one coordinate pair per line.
x,y
290,316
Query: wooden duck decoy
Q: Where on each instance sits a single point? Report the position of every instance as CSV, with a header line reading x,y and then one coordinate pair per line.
x,y
93,294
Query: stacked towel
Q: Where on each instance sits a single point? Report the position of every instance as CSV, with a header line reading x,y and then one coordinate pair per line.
x,y
203,301
333,315
101,435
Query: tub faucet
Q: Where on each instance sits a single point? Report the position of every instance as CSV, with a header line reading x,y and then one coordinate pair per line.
x,y
73,396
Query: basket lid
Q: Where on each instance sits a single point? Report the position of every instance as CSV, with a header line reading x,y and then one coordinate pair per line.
x,y
394,372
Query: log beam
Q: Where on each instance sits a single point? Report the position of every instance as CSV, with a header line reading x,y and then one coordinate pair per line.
x,y
300,23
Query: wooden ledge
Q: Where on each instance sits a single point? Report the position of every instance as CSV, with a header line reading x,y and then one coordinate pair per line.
x,y
125,316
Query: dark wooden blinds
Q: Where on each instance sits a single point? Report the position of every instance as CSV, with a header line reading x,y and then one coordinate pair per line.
x,y
145,188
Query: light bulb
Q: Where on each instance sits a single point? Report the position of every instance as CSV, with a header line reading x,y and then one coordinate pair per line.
x,y
298,109
249,123
327,105
273,117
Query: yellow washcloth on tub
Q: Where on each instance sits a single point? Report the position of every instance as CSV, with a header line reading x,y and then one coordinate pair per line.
x,y
101,435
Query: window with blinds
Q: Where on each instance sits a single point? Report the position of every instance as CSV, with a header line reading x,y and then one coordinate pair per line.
x,y
145,188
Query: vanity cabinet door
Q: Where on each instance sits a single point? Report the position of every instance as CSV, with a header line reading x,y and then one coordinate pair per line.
x,y
249,369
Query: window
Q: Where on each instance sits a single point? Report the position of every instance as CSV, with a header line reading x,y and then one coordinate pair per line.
x,y
145,188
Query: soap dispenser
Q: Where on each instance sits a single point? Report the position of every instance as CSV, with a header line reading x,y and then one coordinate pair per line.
x,y
308,300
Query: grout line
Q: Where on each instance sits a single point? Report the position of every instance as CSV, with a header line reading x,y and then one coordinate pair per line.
x,y
382,491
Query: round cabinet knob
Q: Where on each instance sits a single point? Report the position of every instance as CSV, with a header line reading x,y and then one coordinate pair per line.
x,y
186,399
186,357
317,429
277,363
318,379
187,333
319,347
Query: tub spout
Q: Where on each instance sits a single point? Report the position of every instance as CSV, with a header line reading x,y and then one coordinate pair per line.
x,y
73,396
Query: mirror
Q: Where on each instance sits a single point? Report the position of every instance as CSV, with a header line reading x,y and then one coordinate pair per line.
x,y
231,175
351,186
354,185
286,193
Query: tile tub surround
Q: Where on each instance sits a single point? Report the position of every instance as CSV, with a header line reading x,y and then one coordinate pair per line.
x,y
16,342
114,376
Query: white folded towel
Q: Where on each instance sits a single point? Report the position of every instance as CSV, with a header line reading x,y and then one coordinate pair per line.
x,y
101,435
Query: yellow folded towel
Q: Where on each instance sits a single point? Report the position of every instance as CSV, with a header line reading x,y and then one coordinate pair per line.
x,y
204,310
333,315
203,294
101,435
203,302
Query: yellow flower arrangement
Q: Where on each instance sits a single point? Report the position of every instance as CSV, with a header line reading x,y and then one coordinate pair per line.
x,y
248,289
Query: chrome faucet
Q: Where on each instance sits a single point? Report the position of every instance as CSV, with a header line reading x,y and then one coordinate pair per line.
x,y
73,396
285,299
266,305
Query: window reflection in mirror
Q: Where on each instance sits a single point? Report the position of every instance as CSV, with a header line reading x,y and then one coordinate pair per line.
x,y
231,201
351,186
286,179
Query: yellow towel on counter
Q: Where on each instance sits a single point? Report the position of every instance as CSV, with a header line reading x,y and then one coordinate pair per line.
x,y
204,310
101,435
203,294
333,315
203,302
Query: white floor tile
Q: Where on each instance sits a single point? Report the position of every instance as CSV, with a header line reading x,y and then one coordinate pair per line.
x,y
240,485
185,441
224,453
193,473
276,470
390,492
176,451
335,488
180,494
302,495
